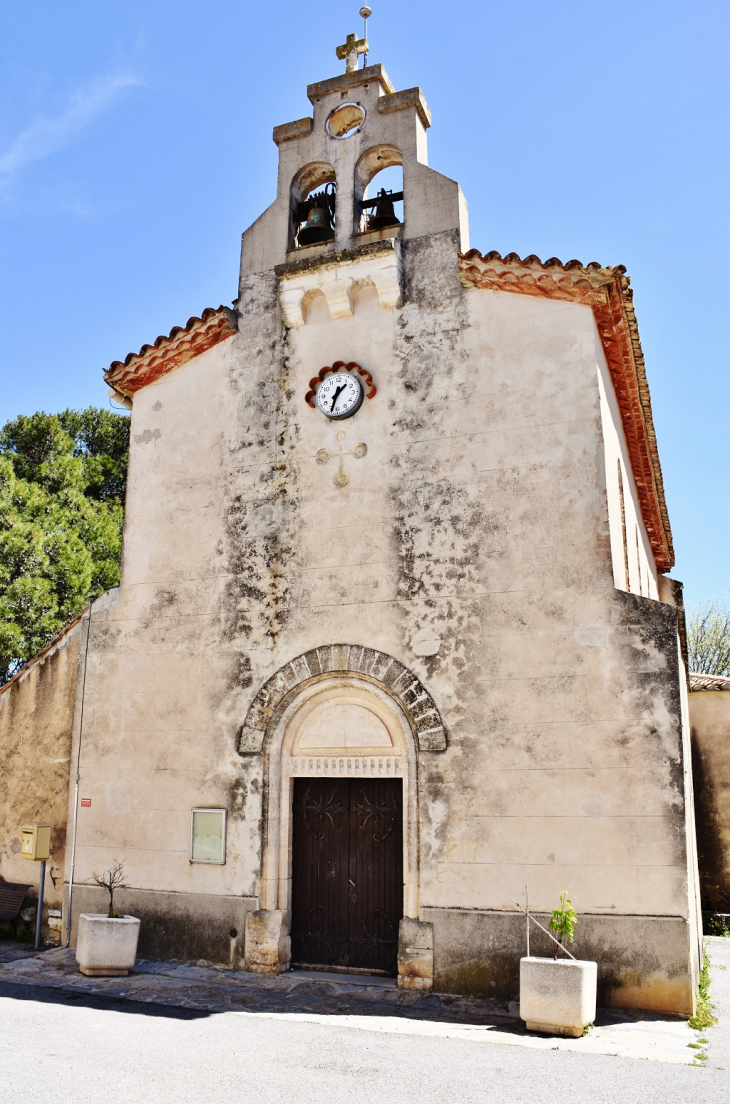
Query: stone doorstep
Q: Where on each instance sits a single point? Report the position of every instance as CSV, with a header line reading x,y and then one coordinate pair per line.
x,y
355,1001
369,981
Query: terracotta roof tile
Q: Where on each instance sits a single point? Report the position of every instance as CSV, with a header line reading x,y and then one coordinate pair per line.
x,y
169,352
708,682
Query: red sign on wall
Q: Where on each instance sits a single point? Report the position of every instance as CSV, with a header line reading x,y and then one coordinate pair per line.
x,y
86,802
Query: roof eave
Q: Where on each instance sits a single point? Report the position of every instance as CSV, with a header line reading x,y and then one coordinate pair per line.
x,y
182,344
607,291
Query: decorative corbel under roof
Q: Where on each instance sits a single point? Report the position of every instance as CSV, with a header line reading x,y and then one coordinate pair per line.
x,y
607,291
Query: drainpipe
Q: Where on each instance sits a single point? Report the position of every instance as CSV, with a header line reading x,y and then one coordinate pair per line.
x,y
76,791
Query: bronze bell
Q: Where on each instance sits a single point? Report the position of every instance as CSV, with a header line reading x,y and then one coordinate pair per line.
x,y
384,214
318,228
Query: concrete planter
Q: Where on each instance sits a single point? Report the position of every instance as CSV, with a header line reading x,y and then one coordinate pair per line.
x,y
106,947
558,996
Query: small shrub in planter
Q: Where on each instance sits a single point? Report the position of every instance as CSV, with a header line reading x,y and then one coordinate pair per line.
x,y
562,924
107,943
558,995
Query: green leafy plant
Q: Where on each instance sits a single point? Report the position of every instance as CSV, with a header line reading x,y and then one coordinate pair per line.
x,y
562,923
717,925
708,638
111,880
703,1017
62,484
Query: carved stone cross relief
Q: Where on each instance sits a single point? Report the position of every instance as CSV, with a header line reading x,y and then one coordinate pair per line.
x,y
341,478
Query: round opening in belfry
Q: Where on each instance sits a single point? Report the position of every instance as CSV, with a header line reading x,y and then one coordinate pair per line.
x,y
345,120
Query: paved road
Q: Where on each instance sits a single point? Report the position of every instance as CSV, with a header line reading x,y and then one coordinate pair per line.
x,y
57,1047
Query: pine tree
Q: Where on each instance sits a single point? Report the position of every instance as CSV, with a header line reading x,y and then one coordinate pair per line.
x,y
62,484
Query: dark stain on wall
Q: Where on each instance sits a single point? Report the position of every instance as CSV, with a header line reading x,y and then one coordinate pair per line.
x,y
478,953
261,520
177,926
712,855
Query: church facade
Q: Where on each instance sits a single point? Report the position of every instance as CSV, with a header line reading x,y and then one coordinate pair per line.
x,y
394,635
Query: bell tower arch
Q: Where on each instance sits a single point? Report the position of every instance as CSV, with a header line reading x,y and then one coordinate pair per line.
x,y
358,125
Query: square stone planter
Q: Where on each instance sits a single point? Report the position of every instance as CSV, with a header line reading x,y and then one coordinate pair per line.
x,y
106,947
558,996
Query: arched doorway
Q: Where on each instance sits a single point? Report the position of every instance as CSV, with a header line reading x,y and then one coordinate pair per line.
x,y
346,758
340,728
341,824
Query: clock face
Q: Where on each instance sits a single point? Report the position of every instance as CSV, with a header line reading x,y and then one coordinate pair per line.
x,y
339,395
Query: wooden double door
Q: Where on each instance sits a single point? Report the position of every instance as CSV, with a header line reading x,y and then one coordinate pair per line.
x,y
347,873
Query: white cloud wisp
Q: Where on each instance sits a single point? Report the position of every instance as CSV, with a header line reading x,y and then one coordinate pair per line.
x,y
47,136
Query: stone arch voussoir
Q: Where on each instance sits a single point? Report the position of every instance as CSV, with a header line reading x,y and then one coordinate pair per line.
x,y
343,659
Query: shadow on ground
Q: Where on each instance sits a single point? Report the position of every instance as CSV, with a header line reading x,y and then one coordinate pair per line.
x,y
189,991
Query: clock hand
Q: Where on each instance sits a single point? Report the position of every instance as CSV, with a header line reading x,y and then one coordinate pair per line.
x,y
336,396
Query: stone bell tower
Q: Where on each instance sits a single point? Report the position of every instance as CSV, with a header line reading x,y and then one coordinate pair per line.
x,y
359,126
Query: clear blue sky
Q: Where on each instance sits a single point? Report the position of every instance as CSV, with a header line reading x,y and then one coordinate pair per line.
x,y
135,146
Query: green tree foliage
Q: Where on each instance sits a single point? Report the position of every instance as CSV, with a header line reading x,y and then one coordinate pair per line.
x,y
62,484
708,638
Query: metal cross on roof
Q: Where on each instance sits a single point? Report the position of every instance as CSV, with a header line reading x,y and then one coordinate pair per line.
x,y
351,50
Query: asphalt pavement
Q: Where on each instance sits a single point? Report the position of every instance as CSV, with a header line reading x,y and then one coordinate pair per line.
x,y
61,1044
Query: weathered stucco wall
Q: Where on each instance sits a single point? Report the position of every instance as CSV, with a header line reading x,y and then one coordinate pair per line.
x,y
709,712
472,544
641,964
36,725
175,925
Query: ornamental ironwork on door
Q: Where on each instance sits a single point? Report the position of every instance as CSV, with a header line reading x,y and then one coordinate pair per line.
x,y
347,873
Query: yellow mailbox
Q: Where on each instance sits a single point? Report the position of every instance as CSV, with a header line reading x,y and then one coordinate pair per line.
x,y
36,842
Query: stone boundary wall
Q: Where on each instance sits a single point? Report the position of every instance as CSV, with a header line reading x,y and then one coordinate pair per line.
x,y
36,728
187,927
642,960
709,713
